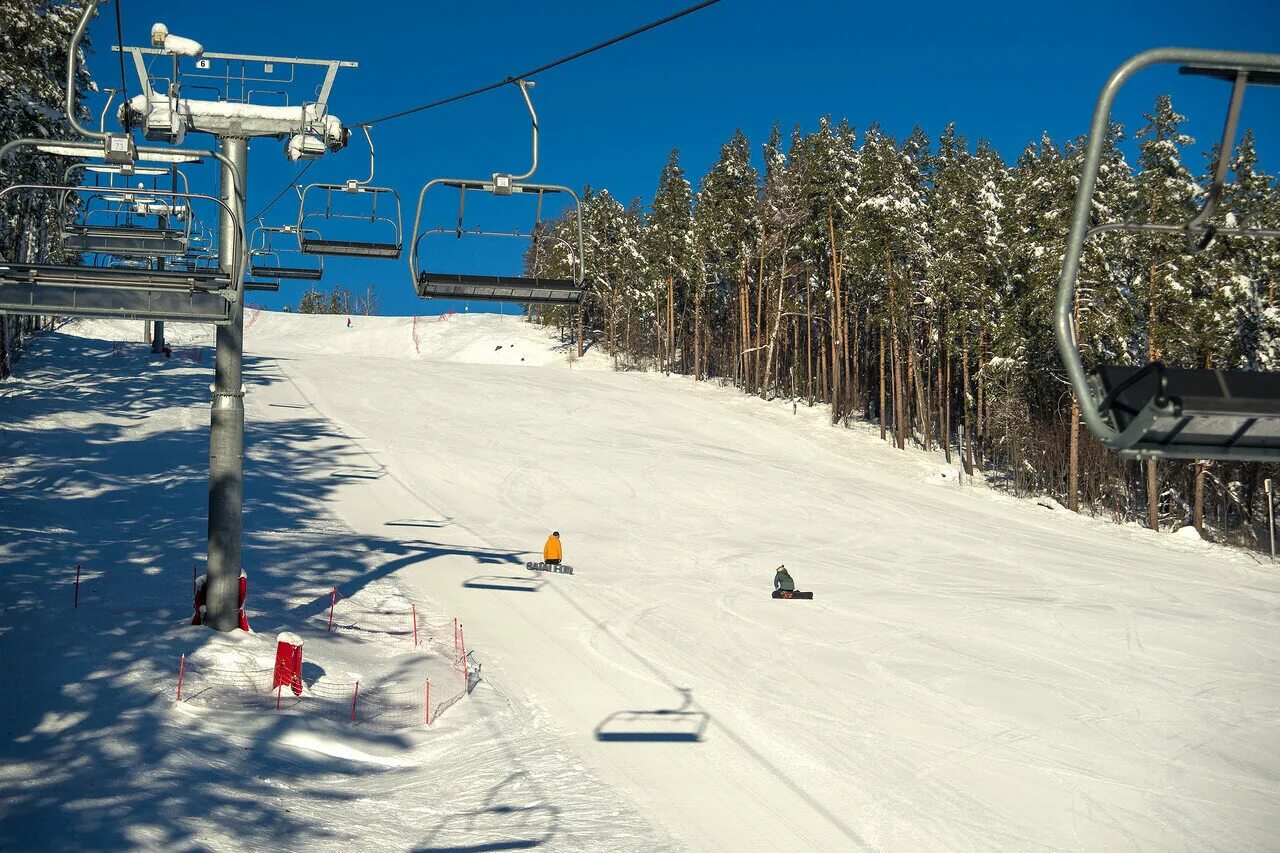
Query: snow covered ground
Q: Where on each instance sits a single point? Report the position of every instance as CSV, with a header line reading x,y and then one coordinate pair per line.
x,y
975,672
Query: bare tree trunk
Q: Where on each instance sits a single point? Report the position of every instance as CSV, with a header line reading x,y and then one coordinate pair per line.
x,y
1197,517
773,338
882,419
1153,496
833,313
982,400
968,422
899,392
919,388
808,341
1153,354
1073,469
757,358
948,392
697,329
855,382
671,321
927,415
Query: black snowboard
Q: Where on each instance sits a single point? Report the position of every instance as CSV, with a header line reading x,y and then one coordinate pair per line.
x,y
780,593
547,567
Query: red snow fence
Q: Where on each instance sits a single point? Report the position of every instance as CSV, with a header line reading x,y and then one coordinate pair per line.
x,y
128,589
439,318
348,698
392,617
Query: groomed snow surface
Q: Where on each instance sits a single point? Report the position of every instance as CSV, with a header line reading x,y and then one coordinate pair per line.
x,y
975,672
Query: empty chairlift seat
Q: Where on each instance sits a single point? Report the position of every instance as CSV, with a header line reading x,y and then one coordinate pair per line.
x,y
122,293
124,241
1154,411
1188,413
275,253
495,288
358,220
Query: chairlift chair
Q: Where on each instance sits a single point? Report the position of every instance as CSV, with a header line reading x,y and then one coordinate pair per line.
x,y
1155,411
128,222
268,259
131,289
315,232
431,284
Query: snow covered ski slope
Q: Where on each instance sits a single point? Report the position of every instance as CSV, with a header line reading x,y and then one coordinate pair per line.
x,y
975,672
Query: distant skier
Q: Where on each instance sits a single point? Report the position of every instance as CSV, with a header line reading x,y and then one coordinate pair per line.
x,y
552,553
348,322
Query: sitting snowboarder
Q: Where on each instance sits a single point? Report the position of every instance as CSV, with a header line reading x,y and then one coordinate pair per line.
x,y
552,553
785,587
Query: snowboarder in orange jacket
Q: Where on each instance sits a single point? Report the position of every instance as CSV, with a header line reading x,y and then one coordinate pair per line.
x,y
551,552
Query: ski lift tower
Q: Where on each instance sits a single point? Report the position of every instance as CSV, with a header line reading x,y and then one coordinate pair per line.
x,y
240,97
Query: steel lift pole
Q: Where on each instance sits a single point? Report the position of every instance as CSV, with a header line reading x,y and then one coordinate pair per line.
x,y
226,420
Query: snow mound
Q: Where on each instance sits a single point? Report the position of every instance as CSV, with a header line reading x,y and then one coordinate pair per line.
x,y
457,338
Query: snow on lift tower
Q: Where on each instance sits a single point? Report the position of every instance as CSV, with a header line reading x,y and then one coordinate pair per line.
x,y
385,225
545,291
307,128
1155,411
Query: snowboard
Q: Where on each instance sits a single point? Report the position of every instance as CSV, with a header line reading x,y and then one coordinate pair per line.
x,y
782,593
544,567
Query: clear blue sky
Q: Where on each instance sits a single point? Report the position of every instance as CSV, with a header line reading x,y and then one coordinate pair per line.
x,y
1002,70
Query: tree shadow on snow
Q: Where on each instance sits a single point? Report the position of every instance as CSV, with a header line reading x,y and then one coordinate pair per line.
x,y
98,756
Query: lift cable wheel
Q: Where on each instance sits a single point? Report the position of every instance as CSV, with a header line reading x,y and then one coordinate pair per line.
x,y
496,288
315,227
1155,411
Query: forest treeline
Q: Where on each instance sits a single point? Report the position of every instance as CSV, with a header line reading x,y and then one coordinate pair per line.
x,y
34,35
911,284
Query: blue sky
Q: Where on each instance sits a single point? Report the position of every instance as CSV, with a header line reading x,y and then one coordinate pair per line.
x,y
1002,70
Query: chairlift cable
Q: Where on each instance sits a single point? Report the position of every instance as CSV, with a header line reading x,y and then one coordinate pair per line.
x,y
286,189
124,86
547,67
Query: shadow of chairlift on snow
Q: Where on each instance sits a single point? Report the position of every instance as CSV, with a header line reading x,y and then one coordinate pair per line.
x,y
417,522
515,827
505,583
360,474
666,725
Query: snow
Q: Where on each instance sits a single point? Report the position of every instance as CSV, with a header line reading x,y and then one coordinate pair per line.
x,y
255,119
975,672
183,46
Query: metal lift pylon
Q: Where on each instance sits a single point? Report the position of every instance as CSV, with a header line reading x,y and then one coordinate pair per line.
x,y
311,132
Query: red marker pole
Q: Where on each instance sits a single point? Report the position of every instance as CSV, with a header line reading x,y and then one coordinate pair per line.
x,y
463,640
182,668
333,599
354,698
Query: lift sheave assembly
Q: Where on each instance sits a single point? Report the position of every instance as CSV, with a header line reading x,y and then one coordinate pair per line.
x,y
1155,411
431,284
